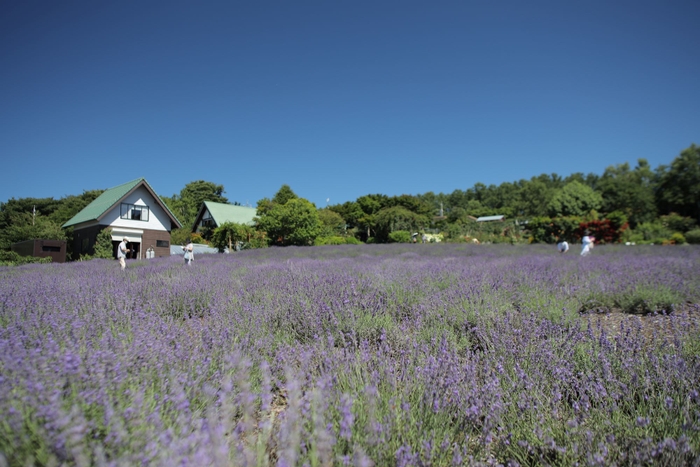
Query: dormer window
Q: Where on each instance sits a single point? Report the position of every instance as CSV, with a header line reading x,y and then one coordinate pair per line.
x,y
134,212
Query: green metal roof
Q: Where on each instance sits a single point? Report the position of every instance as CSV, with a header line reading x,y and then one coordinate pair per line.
x,y
221,213
107,200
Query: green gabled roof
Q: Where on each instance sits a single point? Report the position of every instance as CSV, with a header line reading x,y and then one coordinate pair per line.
x,y
222,213
109,198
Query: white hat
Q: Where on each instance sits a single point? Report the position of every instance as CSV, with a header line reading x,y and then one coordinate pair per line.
x,y
125,239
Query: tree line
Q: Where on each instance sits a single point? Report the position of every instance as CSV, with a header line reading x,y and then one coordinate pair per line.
x,y
636,204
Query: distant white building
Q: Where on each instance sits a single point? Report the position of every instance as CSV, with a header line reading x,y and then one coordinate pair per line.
x,y
490,218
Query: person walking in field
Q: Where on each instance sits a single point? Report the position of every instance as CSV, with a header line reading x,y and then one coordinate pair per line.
x,y
189,253
587,241
122,250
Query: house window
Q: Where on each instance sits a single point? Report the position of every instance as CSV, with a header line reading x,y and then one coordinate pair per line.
x,y
207,220
134,212
162,243
84,245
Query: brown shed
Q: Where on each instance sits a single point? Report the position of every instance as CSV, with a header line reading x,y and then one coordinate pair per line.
x,y
54,249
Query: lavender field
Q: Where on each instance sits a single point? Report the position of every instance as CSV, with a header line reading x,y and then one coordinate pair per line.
x,y
406,355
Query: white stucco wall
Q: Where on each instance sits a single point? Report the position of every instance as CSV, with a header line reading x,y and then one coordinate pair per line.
x,y
158,219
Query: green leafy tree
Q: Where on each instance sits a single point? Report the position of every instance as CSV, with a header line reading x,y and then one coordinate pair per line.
x,y
186,205
227,235
629,191
29,226
533,198
14,209
69,206
678,223
412,203
180,236
233,236
395,218
283,195
679,184
370,205
574,199
103,244
400,236
332,223
294,223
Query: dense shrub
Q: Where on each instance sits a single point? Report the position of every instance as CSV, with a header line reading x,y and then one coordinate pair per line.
x,y
336,240
677,223
693,237
103,244
10,258
400,236
677,238
650,232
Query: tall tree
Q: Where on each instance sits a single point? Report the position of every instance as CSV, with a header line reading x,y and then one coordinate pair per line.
x,y
575,199
533,197
35,206
679,184
395,218
629,191
370,206
294,223
69,206
283,195
332,223
30,226
186,205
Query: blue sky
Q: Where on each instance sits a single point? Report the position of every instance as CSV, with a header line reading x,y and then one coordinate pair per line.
x,y
339,99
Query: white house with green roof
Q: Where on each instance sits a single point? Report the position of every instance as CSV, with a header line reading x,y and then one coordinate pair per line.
x,y
211,215
131,210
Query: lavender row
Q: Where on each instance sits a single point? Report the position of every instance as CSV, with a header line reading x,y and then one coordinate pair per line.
x,y
352,355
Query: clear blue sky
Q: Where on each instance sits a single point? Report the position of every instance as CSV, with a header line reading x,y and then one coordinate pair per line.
x,y
339,99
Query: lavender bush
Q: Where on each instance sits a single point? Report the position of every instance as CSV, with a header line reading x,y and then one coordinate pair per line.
x,y
352,355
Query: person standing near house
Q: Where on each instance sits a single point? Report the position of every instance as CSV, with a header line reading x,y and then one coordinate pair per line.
x,y
122,250
189,253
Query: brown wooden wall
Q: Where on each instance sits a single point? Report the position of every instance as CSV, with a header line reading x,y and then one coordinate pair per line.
x,y
85,248
55,249
150,238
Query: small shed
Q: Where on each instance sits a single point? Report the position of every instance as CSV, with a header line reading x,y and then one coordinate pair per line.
x,y
54,249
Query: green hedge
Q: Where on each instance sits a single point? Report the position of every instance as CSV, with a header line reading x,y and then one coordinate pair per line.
x,y
336,240
10,258
693,236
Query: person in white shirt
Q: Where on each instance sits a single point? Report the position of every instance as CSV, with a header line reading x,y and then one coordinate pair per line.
x,y
189,253
563,247
587,241
121,252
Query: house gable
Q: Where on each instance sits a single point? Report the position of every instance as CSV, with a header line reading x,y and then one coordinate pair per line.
x,y
137,192
213,214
